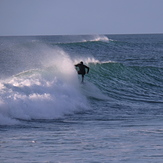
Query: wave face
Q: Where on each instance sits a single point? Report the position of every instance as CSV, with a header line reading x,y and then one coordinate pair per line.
x,y
39,81
134,83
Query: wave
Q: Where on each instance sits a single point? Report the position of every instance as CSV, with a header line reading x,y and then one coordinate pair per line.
x,y
123,82
44,84
83,39
55,90
97,38
124,72
47,93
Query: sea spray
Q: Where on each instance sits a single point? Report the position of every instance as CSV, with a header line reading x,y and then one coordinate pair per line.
x,y
44,83
46,93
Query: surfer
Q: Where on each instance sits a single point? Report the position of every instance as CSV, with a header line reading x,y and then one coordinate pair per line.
x,y
82,69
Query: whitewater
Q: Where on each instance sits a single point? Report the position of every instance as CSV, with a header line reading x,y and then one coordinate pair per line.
x,y
48,115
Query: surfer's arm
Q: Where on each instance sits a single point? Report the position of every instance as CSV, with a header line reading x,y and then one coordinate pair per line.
x,y
87,69
76,65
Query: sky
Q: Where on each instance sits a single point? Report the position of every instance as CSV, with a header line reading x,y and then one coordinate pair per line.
x,y
75,17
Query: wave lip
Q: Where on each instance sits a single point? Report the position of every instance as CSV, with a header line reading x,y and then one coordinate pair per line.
x,y
97,38
85,39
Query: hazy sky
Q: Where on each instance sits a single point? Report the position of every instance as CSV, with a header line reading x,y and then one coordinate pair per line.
x,y
60,17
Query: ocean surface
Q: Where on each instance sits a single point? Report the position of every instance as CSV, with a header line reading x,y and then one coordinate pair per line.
x,y
48,116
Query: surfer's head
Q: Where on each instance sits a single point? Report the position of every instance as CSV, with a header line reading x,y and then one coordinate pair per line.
x,y
81,62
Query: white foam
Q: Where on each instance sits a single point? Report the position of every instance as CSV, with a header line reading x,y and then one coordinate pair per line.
x,y
47,93
100,38
95,38
86,60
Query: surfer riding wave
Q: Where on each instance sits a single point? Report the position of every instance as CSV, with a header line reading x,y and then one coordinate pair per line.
x,y
82,69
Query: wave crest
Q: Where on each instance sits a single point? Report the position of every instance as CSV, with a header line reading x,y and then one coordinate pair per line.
x,y
97,38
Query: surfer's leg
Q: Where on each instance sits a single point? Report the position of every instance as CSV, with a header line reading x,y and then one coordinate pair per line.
x,y
82,78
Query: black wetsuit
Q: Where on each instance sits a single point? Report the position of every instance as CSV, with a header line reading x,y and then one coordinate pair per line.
x,y
82,68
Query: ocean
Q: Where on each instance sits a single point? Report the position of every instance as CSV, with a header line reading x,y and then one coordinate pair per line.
x,y
48,116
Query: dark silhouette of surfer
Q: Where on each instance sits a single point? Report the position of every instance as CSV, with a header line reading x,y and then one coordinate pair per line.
x,y
81,69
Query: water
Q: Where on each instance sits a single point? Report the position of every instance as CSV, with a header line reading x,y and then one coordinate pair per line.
x,y
47,115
